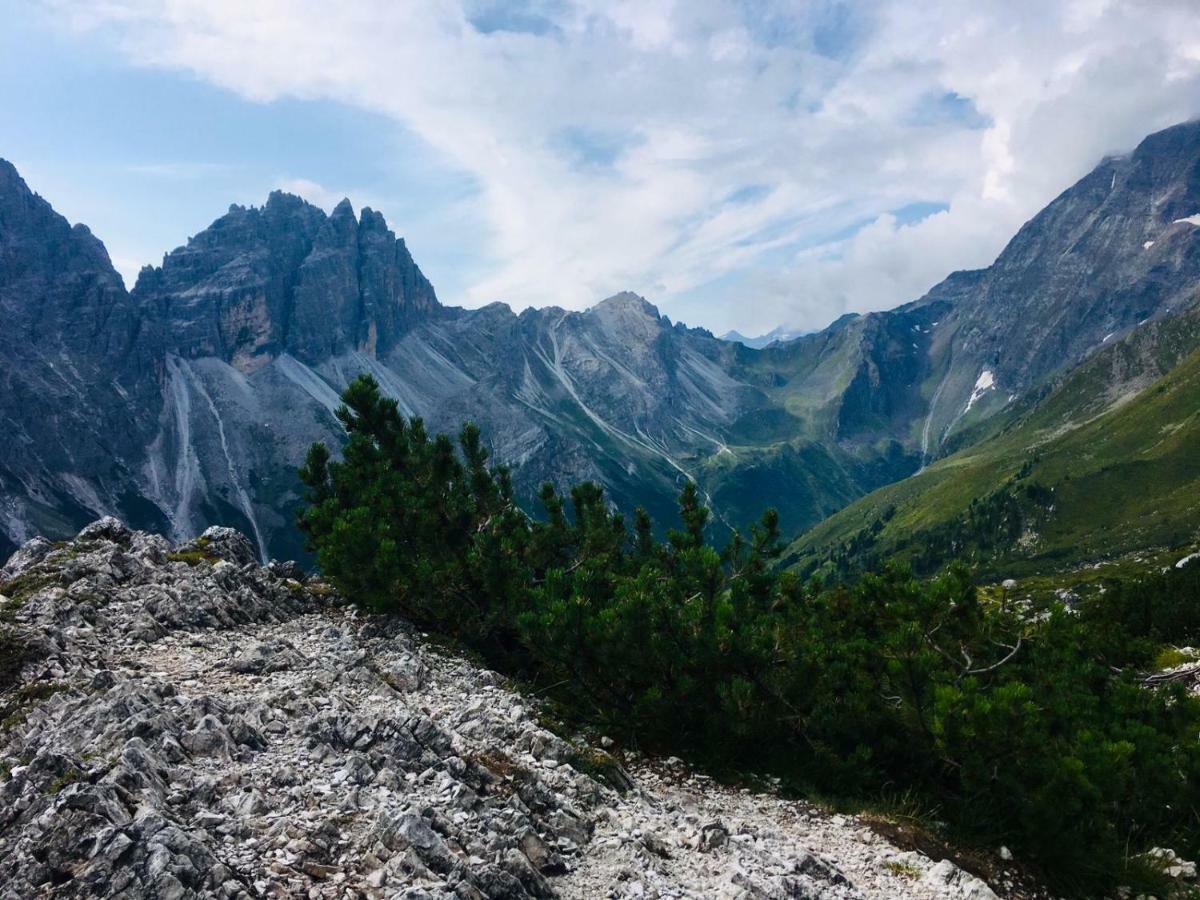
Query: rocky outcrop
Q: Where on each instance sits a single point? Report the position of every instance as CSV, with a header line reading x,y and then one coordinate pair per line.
x,y
286,278
192,724
1118,248
78,375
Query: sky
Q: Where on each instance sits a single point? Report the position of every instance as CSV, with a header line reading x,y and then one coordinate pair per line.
x,y
743,165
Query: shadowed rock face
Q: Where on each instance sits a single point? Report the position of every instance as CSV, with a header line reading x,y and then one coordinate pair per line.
x,y
286,278
1117,248
78,372
192,401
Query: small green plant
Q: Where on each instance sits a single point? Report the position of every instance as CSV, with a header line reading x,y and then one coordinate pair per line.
x,y
71,776
193,558
24,586
906,870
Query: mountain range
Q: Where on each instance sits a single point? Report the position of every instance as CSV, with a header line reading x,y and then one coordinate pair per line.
x,y
190,400
778,334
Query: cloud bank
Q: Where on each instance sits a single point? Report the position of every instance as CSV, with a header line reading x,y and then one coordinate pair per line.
x,y
742,164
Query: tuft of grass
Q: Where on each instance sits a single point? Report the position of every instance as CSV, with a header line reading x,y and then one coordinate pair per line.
x,y
68,778
1171,657
507,771
907,870
14,653
601,767
17,705
21,588
318,588
193,557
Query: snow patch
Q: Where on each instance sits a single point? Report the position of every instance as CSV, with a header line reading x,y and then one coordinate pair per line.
x,y
1193,219
1191,557
1104,340
1147,245
984,383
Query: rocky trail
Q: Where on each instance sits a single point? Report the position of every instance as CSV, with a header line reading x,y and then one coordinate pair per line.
x,y
192,724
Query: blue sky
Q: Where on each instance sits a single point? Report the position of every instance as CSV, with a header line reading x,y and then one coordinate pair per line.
x,y
147,157
743,165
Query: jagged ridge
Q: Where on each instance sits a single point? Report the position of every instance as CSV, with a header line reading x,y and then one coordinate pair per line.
x,y
192,401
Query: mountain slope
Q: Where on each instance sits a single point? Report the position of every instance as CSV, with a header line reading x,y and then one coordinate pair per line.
x,y
247,335
191,400
1104,464
78,392
1118,247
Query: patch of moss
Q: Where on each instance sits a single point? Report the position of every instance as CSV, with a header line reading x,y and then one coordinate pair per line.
x,y
602,767
21,588
68,778
193,557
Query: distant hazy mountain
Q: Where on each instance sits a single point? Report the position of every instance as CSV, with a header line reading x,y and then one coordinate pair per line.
x,y
190,400
778,333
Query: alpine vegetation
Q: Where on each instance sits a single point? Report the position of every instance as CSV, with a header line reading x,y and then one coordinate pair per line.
x,y
1030,731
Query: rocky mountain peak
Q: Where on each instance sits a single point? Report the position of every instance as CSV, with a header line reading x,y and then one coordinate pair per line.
x,y
628,302
1115,249
287,278
11,182
75,376
628,317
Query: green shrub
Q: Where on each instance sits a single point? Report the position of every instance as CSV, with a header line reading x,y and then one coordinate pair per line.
x,y
1019,733
21,588
14,652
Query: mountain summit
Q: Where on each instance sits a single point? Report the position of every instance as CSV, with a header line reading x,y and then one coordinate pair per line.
x,y
286,278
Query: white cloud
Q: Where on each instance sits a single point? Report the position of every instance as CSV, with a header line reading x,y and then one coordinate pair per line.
x,y
662,146
314,193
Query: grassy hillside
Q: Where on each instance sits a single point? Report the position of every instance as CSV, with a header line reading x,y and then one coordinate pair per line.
x,y
1103,465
